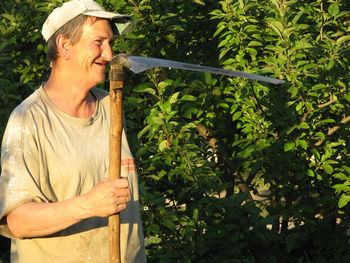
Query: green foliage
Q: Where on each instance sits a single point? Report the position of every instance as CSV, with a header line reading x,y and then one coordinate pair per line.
x,y
287,142
23,64
230,170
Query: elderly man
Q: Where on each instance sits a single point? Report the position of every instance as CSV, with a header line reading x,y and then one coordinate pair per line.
x,y
55,195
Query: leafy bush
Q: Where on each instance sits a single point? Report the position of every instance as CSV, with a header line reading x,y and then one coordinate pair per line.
x,y
285,147
230,170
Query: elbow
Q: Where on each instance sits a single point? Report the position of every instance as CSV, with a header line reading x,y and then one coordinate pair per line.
x,y
14,226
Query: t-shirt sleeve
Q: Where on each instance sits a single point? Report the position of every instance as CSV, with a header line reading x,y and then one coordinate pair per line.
x,y
19,181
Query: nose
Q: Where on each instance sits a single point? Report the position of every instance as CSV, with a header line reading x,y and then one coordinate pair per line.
x,y
107,52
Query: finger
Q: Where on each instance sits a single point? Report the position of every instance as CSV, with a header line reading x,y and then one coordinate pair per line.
x,y
123,193
122,199
120,183
123,182
121,207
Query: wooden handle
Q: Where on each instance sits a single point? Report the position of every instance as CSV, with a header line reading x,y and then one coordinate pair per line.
x,y
115,136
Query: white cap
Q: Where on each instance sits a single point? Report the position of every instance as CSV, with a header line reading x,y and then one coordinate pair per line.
x,y
69,10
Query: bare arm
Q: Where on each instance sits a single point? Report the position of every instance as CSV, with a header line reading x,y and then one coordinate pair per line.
x,y
40,219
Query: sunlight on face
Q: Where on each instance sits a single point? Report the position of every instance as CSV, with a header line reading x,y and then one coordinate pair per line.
x,y
89,56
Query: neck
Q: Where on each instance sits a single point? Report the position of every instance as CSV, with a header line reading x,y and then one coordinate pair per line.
x,y
72,98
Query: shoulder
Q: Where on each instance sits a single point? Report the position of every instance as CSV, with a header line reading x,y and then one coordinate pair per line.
x,y
20,122
25,108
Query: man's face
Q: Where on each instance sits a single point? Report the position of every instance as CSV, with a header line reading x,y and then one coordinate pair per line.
x,y
89,56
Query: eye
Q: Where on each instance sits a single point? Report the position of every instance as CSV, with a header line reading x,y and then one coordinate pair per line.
x,y
112,42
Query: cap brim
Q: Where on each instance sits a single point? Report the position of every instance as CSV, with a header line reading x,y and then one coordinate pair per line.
x,y
122,24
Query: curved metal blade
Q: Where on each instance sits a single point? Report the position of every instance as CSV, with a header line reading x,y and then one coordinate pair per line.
x,y
139,64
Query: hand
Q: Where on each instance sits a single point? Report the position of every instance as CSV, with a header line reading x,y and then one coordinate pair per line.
x,y
107,197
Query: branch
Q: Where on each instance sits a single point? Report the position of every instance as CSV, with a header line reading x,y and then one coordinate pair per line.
x,y
333,130
331,100
323,105
213,142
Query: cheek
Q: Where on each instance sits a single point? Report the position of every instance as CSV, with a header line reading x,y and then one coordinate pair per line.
x,y
91,54
86,59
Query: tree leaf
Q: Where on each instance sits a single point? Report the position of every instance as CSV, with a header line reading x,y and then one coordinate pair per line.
x,y
342,39
201,2
163,145
288,146
145,88
157,120
327,168
333,9
236,115
344,200
188,98
173,97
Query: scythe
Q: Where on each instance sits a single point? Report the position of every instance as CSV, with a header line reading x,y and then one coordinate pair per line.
x,y
116,76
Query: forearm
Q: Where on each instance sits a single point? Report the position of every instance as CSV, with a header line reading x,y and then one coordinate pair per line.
x,y
32,219
42,219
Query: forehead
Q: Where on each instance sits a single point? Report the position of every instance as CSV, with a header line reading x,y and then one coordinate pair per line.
x,y
97,27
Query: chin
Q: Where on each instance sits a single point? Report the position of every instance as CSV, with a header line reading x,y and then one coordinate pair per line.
x,y
97,81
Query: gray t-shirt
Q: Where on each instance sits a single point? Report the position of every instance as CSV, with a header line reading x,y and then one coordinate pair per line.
x,y
50,156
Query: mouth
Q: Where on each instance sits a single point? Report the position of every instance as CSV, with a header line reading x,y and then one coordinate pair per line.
x,y
100,64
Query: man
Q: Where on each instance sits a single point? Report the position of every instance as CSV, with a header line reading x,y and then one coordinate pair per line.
x,y
55,191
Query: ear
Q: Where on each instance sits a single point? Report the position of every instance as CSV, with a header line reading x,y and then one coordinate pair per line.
x,y
63,46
